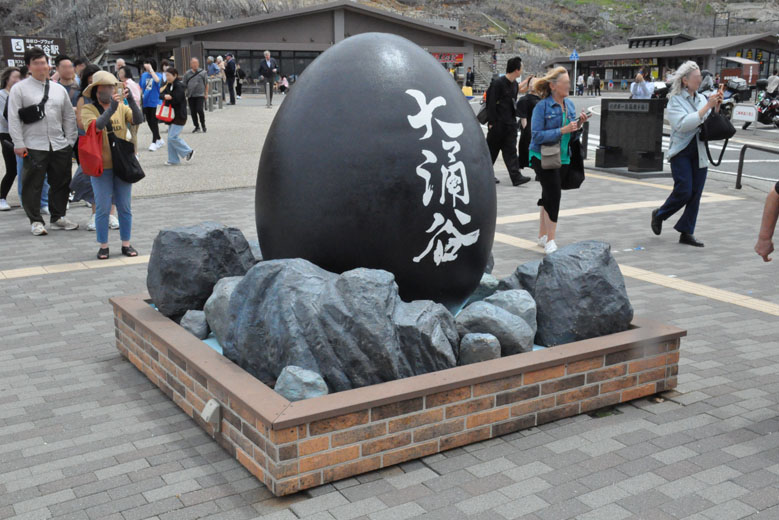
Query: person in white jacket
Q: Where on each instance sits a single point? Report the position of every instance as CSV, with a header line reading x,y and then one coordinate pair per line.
x,y
687,110
641,89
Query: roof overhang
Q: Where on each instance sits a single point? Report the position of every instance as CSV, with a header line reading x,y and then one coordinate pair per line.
x,y
162,38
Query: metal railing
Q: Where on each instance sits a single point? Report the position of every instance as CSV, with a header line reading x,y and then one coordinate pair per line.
x,y
741,155
214,94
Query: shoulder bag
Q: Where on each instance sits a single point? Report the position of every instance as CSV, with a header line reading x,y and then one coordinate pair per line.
x,y
90,151
34,113
126,165
715,127
550,154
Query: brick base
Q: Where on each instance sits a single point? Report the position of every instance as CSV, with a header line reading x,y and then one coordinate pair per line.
x,y
295,446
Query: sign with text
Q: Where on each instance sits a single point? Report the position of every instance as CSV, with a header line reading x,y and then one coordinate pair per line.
x,y
745,113
447,57
15,46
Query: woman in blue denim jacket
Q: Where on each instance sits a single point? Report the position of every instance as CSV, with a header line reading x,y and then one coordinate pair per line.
x,y
551,124
689,164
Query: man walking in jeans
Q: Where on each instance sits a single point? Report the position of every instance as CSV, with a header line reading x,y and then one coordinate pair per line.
x,y
196,83
46,143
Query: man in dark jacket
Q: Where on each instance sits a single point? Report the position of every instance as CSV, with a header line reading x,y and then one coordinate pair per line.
x,y
230,76
470,78
268,70
502,120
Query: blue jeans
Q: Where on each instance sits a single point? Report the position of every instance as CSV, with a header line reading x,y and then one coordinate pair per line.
x,y
177,148
106,187
689,180
44,192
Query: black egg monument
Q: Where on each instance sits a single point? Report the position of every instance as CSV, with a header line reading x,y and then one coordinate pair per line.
x,y
375,159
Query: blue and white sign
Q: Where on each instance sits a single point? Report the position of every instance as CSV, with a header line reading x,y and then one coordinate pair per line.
x,y
574,56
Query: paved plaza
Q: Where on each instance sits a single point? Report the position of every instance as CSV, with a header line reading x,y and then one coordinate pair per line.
x,y
84,435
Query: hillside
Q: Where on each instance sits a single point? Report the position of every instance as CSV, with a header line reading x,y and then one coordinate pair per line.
x,y
534,28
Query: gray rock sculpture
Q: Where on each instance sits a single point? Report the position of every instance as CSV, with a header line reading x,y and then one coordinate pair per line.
x,y
513,333
517,302
580,294
195,322
296,383
217,308
524,277
475,348
352,328
487,287
186,262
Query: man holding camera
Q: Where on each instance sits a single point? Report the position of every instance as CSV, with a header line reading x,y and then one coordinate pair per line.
x,y
42,125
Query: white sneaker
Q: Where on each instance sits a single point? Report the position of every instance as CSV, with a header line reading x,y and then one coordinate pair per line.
x,y
541,241
168,163
91,225
45,210
190,155
550,247
113,222
153,147
4,206
38,229
160,143
65,224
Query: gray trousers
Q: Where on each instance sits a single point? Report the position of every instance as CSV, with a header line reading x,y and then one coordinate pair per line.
x,y
268,92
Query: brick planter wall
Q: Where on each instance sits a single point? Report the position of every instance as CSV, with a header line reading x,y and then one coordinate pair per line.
x,y
295,446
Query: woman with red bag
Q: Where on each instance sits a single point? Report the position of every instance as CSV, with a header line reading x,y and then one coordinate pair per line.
x,y
174,94
110,114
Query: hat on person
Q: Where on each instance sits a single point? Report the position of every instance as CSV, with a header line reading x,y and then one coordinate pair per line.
x,y
229,54
101,77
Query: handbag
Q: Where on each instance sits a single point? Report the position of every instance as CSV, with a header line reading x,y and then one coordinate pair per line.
x,y
126,165
715,127
572,177
34,113
482,115
550,156
165,112
90,151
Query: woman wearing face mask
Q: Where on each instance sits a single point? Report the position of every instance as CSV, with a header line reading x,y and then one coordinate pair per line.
x,y
110,114
689,164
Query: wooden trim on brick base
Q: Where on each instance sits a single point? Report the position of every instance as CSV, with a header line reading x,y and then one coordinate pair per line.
x,y
295,446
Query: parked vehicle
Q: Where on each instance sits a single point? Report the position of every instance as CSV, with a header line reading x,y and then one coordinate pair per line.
x,y
767,104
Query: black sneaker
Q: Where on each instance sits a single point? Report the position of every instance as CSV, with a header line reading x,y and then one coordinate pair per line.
x,y
521,180
190,155
204,130
196,130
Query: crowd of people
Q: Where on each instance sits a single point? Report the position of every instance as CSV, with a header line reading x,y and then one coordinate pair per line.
x,y
549,145
45,112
